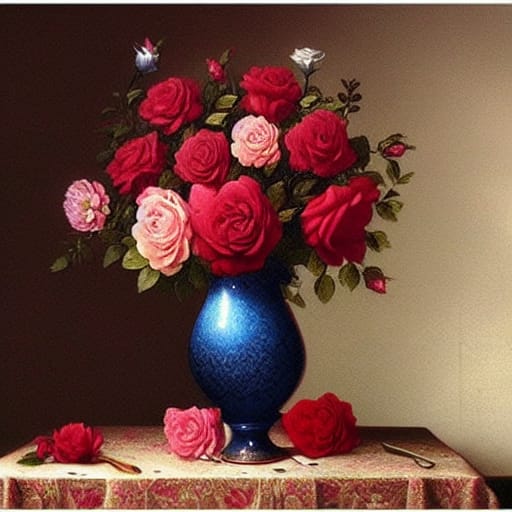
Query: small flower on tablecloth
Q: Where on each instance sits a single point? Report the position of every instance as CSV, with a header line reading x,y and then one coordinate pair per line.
x,y
194,433
322,427
74,443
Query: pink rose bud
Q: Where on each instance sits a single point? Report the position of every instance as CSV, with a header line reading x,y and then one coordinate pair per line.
x,y
374,279
216,71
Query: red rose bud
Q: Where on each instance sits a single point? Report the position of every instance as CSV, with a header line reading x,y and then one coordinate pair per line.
x,y
216,71
396,150
374,279
44,446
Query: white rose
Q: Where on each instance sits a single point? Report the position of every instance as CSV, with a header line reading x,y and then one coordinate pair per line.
x,y
307,59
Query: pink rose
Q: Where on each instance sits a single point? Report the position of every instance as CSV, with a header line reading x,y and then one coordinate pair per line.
x,y
137,164
192,433
255,141
172,103
86,205
395,150
272,92
235,227
334,222
162,230
73,442
204,158
319,143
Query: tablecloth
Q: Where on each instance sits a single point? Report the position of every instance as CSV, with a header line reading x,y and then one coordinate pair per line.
x,y
368,477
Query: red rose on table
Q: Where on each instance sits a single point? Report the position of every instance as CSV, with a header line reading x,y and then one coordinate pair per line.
x,y
204,158
171,104
194,432
319,143
322,427
76,442
272,92
138,164
334,222
235,227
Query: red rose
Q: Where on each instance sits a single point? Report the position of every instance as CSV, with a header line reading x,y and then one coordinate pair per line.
x,y
319,143
171,104
334,222
137,164
272,92
236,227
322,427
75,442
395,150
204,158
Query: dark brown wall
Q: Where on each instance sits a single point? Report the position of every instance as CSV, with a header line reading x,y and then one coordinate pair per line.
x,y
82,345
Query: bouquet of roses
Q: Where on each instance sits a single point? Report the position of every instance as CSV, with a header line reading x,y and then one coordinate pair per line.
x,y
215,179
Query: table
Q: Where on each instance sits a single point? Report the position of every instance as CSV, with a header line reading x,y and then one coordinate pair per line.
x,y
368,477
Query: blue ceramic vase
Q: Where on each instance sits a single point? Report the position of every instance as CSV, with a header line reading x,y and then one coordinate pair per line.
x,y
247,354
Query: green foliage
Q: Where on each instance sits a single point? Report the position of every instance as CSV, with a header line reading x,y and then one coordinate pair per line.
x,y
349,276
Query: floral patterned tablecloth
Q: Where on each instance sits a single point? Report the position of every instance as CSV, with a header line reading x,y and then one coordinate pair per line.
x,y
369,477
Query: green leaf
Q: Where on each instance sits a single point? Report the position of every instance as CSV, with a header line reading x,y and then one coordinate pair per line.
x,y
132,95
133,260
375,176
147,278
406,178
197,275
309,100
224,58
393,171
295,298
391,193
30,459
315,265
277,194
129,241
216,119
59,264
226,102
361,145
268,170
385,210
304,187
324,288
349,275
377,241
287,215
112,254
121,130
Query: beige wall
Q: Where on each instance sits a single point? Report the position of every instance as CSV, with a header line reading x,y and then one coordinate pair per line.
x,y
436,351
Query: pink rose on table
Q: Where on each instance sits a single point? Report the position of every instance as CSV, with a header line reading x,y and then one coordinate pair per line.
x,y
255,141
171,104
235,227
272,92
334,222
137,164
322,427
192,433
72,443
319,143
86,205
204,158
163,230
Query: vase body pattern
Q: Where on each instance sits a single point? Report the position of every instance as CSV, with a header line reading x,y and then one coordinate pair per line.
x,y
247,355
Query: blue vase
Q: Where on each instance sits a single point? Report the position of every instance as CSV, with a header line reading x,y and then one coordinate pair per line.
x,y
247,354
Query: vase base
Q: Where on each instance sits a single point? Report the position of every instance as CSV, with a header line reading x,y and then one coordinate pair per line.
x,y
256,457
250,444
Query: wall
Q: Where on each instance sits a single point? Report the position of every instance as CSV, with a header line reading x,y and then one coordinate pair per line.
x,y
435,351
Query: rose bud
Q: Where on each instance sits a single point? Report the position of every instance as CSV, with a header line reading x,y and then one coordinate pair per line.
x,y
394,146
146,57
374,279
307,59
216,71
